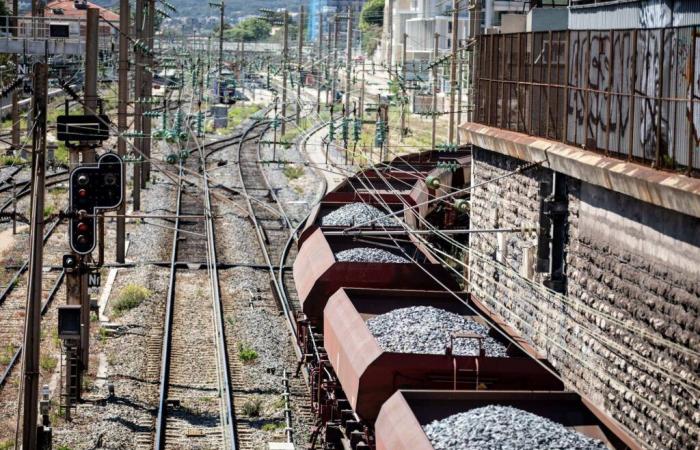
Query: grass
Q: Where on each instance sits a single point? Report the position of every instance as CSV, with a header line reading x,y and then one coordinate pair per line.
x,y
252,407
246,353
7,444
49,210
237,114
47,363
61,154
8,160
293,172
273,426
102,334
6,356
130,297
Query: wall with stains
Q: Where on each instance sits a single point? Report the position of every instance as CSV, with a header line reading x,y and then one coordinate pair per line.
x,y
626,331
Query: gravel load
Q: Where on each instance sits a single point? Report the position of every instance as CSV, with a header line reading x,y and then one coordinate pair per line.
x,y
356,214
426,330
367,254
496,427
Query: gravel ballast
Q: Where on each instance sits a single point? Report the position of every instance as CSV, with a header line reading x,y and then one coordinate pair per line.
x,y
357,214
427,330
368,254
497,427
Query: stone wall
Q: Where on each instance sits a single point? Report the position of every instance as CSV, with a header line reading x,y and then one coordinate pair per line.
x,y
626,334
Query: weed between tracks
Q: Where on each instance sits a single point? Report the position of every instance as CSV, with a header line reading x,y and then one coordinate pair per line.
x,y
293,172
129,298
252,407
246,353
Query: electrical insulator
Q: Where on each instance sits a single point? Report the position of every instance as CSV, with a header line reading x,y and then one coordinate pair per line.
x,y
331,131
357,130
345,129
432,182
461,205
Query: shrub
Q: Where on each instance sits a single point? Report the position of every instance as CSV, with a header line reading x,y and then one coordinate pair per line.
x,y
273,426
293,172
47,362
246,353
130,297
252,407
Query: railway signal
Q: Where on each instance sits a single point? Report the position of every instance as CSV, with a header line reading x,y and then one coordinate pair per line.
x,y
93,189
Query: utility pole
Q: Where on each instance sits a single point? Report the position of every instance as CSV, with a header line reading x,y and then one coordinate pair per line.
x,y
348,64
221,37
139,62
331,23
121,117
16,123
148,91
336,29
285,51
474,32
390,40
31,367
435,87
91,101
460,77
402,132
320,61
300,51
453,68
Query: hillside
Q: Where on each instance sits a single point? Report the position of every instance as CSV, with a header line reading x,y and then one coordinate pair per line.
x,y
234,8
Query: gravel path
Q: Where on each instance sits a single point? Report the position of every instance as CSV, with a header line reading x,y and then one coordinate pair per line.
x,y
427,330
497,427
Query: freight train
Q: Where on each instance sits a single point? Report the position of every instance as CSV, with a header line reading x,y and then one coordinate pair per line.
x,y
372,296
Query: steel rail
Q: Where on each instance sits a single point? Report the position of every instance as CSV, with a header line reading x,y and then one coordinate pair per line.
x,y
44,309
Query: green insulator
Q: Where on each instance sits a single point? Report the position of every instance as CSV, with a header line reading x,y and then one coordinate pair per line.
x,y
171,158
432,182
461,205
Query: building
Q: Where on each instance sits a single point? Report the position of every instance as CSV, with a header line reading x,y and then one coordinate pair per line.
x,y
329,8
72,11
597,151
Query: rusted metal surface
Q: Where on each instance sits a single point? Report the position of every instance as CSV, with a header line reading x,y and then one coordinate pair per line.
x,y
369,375
318,275
335,200
370,180
398,426
628,93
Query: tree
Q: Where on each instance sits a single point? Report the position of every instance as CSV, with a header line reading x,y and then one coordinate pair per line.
x,y
372,14
250,30
371,22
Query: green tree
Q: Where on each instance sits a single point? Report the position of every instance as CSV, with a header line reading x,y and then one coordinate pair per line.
x,y
372,14
371,22
249,30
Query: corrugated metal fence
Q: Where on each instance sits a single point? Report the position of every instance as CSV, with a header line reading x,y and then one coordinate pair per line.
x,y
626,93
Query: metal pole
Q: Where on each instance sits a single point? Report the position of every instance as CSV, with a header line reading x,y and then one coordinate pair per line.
x,y
460,78
285,50
320,60
121,117
453,68
16,124
330,24
148,92
348,64
221,37
402,132
300,51
336,30
138,105
35,293
390,38
435,88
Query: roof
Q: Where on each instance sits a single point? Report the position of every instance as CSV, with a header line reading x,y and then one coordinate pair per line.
x,y
70,11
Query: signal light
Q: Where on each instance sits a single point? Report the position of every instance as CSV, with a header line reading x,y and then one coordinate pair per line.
x,y
93,188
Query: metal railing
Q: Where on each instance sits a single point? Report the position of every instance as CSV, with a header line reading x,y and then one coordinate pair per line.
x,y
630,94
66,29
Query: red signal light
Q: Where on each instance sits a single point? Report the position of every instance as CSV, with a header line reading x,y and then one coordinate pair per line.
x,y
82,193
82,227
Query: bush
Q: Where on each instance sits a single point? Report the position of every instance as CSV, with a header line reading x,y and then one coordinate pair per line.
x,y
47,362
273,426
252,407
293,172
246,353
130,297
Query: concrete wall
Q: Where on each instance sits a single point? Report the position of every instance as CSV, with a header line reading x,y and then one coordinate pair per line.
x,y
626,333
